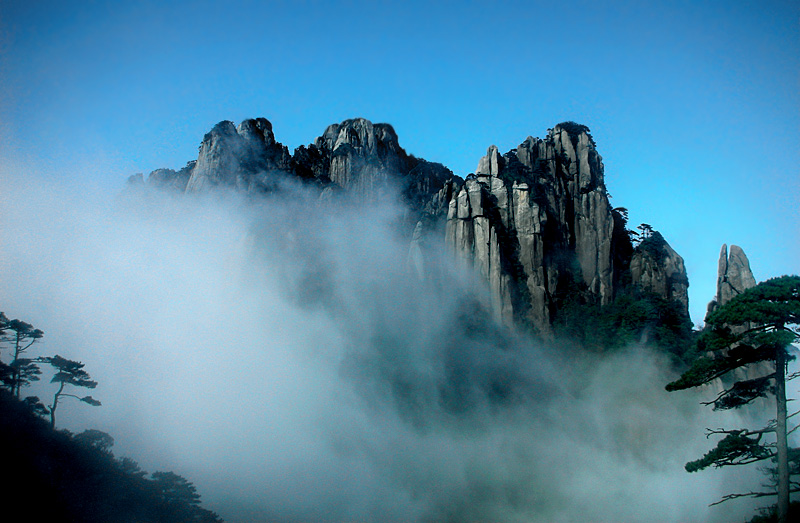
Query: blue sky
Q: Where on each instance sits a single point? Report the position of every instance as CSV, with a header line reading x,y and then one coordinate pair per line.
x,y
695,106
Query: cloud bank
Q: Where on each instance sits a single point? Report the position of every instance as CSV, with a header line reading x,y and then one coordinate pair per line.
x,y
285,357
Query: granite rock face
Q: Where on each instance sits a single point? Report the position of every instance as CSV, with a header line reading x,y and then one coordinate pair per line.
x,y
244,158
172,180
657,268
535,223
733,276
533,220
356,156
362,157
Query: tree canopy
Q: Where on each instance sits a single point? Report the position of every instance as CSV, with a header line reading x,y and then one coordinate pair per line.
x,y
69,372
21,371
755,327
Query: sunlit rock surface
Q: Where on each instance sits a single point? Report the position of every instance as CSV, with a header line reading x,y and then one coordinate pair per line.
x,y
535,223
733,276
533,218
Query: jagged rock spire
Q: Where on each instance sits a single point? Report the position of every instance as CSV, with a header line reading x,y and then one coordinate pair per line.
x,y
527,219
534,222
733,276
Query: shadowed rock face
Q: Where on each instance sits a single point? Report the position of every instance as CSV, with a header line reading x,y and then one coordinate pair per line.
x,y
534,222
656,267
356,156
363,156
245,157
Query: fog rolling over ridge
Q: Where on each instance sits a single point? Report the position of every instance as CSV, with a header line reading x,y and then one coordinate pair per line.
x,y
285,357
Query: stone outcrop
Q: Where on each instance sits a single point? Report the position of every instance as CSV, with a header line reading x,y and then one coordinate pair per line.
x,y
534,219
173,180
362,157
733,276
245,158
534,222
356,156
657,268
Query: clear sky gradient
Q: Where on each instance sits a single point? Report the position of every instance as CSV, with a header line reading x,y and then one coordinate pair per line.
x,y
695,106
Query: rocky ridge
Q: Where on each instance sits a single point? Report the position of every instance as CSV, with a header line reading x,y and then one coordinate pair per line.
x,y
535,222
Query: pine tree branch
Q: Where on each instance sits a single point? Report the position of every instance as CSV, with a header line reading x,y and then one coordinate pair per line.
x,y
741,393
742,432
750,494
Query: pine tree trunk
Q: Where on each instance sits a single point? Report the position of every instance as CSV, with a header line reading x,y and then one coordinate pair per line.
x,y
780,433
54,406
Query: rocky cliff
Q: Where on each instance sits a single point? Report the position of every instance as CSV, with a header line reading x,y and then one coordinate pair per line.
x,y
531,218
656,267
245,157
537,225
356,156
733,276
534,222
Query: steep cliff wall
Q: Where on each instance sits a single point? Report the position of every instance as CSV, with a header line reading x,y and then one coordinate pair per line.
x,y
535,222
245,157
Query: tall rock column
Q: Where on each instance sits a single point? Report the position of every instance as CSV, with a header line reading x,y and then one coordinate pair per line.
x,y
733,276
472,234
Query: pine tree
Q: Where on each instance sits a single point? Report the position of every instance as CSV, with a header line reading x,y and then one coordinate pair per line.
x,y
755,327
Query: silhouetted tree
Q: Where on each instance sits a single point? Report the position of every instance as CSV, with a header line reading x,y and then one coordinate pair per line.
x,y
179,499
21,371
36,406
175,489
756,326
646,231
68,372
95,439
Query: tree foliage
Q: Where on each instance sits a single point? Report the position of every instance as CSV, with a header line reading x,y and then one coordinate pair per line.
x,y
757,326
575,129
21,371
634,316
67,477
68,372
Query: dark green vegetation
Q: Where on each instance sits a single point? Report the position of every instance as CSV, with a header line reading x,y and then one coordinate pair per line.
x,y
20,336
752,334
770,515
635,315
74,477
574,129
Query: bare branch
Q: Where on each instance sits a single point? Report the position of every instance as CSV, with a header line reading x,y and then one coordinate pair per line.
x,y
750,494
742,432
